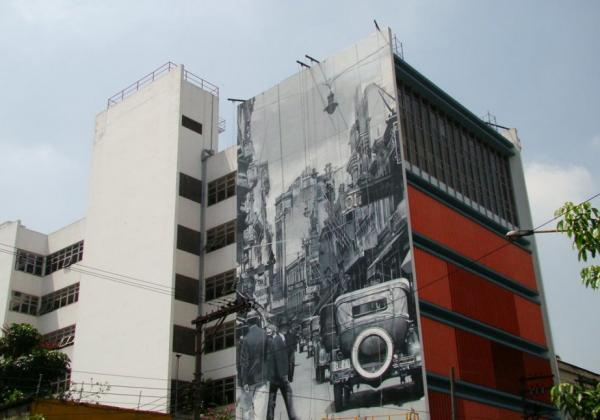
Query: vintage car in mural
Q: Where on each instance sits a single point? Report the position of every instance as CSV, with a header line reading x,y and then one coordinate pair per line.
x,y
377,339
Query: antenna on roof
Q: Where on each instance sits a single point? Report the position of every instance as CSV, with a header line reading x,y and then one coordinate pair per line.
x,y
314,60
303,64
376,25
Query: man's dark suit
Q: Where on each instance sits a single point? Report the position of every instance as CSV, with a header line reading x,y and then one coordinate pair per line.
x,y
278,371
252,356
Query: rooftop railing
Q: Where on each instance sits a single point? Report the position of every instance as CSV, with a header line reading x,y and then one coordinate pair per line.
x,y
151,77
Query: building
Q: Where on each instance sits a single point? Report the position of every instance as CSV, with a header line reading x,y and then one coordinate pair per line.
x,y
574,374
118,289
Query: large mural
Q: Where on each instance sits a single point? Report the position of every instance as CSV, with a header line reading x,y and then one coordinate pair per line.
x,y
323,246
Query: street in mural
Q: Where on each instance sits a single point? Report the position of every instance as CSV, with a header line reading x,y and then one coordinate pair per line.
x,y
323,246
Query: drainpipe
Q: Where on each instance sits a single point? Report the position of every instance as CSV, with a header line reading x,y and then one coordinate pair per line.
x,y
206,154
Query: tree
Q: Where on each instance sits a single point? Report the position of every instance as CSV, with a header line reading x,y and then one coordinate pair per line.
x,y
581,223
27,367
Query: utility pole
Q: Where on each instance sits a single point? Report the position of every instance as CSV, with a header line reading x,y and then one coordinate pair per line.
x,y
241,304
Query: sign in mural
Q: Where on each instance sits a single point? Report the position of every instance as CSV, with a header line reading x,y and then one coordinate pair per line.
x,y
323,246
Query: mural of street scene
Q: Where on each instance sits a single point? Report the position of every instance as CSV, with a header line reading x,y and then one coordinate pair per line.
x,y
323,246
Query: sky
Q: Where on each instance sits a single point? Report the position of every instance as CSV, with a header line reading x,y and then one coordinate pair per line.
x,y
534,65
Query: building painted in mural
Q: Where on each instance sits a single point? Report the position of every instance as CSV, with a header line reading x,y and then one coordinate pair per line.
x,y
364,211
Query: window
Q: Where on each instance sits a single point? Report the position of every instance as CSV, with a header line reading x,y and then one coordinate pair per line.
x,y
190,187
63,297
29,262
183,402
184,340
186,289
188,240
60,338
220,338
220,236
219,391
193,125
62,385
439,148
220,285
221,189
367,308
64,258
24,303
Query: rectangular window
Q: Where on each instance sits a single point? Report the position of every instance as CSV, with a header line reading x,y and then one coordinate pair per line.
x,y
184,340
190,187
29,262
220,285
220,236
186,289
64,258
182,397
220,391
60,338
63,297
220,338
24,303
221,189
190,124
188,240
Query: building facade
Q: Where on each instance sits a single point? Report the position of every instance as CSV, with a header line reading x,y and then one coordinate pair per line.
x,y
117,290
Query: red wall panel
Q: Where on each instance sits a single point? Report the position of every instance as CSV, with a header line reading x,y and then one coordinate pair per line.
x,y
536,367
529,315
508,368
439,347
479,360
432,279
475,359
478,411
461,291
439,222
440,408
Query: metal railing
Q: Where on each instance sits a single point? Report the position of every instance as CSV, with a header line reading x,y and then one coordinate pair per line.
x,y
222,125
200,82
151,77
398,47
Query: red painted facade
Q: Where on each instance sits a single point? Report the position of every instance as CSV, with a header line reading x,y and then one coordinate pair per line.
x,y
477,360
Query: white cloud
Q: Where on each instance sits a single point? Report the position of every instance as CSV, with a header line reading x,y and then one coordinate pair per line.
x,y
550,185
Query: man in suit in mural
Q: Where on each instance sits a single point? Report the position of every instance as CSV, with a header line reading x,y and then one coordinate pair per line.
x,y
253,370
291,343
278,368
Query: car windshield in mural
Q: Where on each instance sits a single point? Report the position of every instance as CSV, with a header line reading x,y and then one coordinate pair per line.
x,y
323,246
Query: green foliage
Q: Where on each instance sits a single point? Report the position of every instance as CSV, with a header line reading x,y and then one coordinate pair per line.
x,y
25,364
220,413
19,339
581,223
577,401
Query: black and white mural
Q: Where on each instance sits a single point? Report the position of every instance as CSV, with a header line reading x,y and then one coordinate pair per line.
x,y
323,246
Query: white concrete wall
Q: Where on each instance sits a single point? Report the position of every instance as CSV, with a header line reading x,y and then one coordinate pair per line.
x,y
139,148
525,222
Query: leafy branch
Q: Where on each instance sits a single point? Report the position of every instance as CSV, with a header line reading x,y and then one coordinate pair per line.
x,y
581,223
